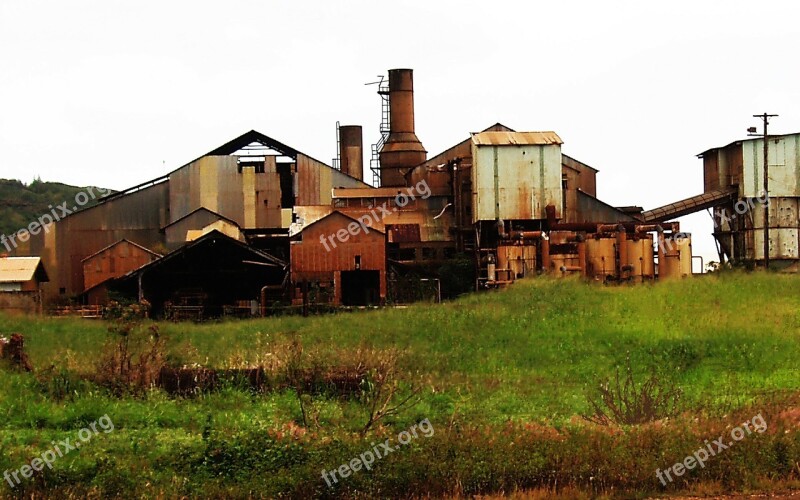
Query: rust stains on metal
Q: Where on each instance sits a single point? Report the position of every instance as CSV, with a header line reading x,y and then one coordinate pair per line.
x,y
114,261
516,138
351,150
402,150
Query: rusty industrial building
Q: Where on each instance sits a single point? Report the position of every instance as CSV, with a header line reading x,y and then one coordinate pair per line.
x,y
254,224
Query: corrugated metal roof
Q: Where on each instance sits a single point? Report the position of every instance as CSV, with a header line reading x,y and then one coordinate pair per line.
x,y
690,205
516,138
18,269
751,138
123,240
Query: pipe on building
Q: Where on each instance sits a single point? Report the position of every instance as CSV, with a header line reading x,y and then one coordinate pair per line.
x,y
526,235
544,245
501,230
647,228
610,228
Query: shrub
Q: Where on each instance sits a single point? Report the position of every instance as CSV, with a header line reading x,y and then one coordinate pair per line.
x,y
623,401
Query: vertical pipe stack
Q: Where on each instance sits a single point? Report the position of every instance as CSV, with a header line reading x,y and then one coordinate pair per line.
x,y
402,150
351,151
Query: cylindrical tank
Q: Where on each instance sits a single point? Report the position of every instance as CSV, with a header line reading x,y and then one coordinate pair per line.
x,y
601,257
519,259
351,151
640,258
674,255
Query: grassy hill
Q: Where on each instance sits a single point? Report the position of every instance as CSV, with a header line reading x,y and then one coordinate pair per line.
x,y
21,204
503,378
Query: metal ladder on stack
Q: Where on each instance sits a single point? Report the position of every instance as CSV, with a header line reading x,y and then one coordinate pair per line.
x,y
375,161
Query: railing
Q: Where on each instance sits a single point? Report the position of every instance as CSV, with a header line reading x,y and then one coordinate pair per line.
x,y
89,312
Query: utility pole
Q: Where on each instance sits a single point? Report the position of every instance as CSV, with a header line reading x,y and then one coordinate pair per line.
x,y
765,117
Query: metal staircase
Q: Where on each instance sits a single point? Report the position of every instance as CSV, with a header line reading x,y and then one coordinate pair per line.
x,y
375,160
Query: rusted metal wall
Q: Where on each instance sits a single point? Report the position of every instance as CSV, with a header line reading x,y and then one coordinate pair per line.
x,y
137,217
784,233
311,261
212,182
784,167
582,176
590,209
712,180
515,181
175,233
432,215
114,262
742,163
315,181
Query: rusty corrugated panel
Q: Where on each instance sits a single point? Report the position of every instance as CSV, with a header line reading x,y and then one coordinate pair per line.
x,y
226,187
137,216
689,205
115,261
309,257
403,233
307,183
590,209
515,183
516,138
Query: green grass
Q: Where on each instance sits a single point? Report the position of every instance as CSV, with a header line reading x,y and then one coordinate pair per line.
x,y
529,354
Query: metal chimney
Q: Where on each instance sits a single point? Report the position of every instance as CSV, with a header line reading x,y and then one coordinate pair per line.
x,y
351,151
402,150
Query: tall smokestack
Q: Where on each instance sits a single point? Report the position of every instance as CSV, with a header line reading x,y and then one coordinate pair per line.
x,y
351,151
402,150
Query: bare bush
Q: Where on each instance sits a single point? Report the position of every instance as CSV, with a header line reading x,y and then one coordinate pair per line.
x,y
371,378
133,359
622,401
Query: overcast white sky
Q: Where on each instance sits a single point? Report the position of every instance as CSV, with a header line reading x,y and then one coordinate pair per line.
x,y
113,94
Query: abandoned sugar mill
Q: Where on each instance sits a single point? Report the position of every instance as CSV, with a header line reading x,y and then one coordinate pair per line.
x,y
255,225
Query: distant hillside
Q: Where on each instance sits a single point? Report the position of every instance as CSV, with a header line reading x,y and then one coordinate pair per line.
x,y
21,204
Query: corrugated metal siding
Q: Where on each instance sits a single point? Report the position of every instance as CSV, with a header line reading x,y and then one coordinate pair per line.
x,y
784,167
516,138
590,209
315,181
310,260
137,217
114,262
515,181
419,213
586,179
175,234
